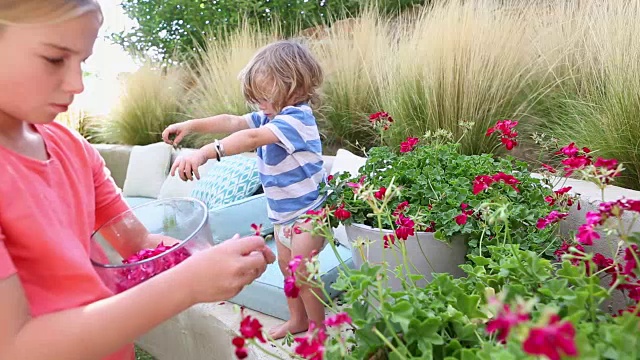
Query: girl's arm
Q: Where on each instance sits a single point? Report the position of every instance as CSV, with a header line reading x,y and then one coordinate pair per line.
x,y
101,328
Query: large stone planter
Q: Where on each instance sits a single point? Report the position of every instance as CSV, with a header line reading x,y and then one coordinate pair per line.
x,y
426,253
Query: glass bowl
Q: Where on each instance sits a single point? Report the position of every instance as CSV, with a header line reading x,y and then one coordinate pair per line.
x,y
180,226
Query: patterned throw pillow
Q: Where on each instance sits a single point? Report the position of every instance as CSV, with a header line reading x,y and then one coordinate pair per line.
x,y
234,178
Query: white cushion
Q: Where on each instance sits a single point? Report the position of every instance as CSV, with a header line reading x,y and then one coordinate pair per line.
x,y
174,187
345,161
147,170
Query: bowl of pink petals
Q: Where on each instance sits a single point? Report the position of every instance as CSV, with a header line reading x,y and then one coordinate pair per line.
x,y
149,239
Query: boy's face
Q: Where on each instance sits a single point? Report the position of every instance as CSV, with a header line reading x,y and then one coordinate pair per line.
x,y
267,108
265,89
40,67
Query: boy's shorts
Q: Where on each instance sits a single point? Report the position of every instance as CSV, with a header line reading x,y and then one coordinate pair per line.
x,y
284,233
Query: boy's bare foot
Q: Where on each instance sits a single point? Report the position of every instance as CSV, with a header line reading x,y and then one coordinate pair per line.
x,y
280,331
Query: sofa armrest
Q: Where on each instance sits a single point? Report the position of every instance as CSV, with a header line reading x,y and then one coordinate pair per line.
x,y
116,158
236,218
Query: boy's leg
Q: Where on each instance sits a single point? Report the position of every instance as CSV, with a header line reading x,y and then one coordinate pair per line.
x,y
298,321
304,244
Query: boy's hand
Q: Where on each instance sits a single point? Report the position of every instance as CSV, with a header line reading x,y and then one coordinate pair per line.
x,y
179,130
187,166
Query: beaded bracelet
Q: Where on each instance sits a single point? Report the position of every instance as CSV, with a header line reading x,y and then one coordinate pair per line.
x,y
220,148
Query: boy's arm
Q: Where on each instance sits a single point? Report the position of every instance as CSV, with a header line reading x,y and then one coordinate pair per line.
x,y
242,141
218,124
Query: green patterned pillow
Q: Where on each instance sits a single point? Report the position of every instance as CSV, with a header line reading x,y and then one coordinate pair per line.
x,y
234,178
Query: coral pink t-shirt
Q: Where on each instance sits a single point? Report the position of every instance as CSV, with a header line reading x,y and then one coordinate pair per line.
x,y
48,211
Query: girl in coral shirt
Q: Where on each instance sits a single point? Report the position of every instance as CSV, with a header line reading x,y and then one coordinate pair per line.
x,y
55,192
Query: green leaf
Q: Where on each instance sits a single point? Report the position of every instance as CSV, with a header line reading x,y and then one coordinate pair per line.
x,y
427,331
468,354
468,305
401,313
480,260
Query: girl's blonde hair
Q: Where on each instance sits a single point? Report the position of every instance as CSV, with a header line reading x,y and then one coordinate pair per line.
x,y
31,12
283,73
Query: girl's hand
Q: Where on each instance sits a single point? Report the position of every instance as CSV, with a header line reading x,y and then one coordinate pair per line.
x,y
179,130
187,166
221,272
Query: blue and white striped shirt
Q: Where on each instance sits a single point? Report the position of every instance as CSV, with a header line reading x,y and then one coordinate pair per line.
x,y
291,170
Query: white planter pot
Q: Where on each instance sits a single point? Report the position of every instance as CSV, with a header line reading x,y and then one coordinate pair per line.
x,y
425,252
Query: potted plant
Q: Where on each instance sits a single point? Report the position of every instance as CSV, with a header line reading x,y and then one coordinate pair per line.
x,y
442,203
513,303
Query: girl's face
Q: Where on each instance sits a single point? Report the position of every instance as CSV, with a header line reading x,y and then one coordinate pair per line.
x,y
40,67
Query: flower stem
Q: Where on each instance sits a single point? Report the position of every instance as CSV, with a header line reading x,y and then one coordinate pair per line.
x,y
388,343
324,292
343,264
277,345
386,321
481,238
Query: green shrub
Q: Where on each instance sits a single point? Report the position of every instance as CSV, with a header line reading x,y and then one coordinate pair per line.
x,y
179,26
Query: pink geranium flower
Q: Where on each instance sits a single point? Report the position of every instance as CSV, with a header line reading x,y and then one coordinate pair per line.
x,y
251,328
506,133
381,120
380,193
241,351
481,183
630,260
549,168
505,320
409,144
338,320
586,234
389,240
400,209
553,217
553,341
257,229
291,289
461,219
311,346
294,263
341,213
575,163
564,249
406,227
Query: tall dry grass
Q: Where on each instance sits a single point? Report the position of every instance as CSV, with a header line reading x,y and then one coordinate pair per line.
x,y
451,62
152,100
598,105
81,121
569,68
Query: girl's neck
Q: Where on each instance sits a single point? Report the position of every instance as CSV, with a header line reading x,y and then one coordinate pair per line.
x,y
12,128
21,137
